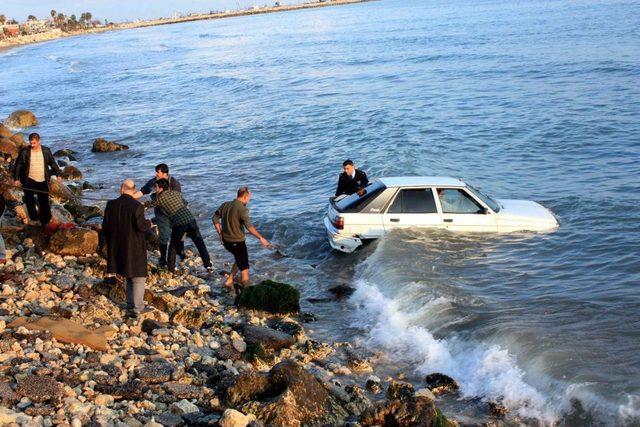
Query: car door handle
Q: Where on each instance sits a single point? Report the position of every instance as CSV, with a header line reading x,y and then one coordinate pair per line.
x,y
448,220
394,219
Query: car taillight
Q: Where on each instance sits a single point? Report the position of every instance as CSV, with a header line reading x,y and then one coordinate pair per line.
x,y
339,222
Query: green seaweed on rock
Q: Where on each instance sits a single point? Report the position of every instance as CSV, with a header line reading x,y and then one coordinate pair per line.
x,y
270,296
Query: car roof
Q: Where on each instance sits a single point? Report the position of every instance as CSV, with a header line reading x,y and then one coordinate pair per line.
x,y
410,181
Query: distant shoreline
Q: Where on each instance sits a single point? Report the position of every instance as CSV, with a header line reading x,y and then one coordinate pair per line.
x,y
54,35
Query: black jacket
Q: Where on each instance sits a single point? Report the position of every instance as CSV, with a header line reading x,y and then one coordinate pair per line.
x,y
346,185
124,228
21,166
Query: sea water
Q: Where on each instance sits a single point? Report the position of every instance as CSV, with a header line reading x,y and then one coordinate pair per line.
x,y
537,100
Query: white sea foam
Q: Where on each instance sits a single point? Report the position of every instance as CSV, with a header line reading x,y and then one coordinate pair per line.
x,y
485,371
630,412
396,321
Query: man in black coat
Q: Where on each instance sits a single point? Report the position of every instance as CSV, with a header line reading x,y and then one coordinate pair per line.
x,y
33,169
352,180
124,228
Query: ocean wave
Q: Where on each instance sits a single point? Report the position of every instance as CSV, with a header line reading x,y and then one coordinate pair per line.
x,y
485,371
409,324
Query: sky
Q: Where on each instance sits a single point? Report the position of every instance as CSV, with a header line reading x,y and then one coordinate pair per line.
x,y
122,10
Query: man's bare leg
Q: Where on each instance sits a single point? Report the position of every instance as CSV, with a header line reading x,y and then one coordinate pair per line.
x,y
230,278
244,278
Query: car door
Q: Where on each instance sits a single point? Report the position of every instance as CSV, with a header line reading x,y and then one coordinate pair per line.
x,y
412,207
463,212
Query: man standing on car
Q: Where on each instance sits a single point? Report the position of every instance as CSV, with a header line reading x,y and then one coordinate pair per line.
x,y
352,180
183,223
124,228
162,221
33,169
230,220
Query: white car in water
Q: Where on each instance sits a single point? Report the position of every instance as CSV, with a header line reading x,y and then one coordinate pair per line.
x,y
427,202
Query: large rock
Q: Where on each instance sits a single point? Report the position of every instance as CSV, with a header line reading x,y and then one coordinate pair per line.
x,y
101,145
18,138
74,241
59,215
8,148
71,172
292,397
40,389
440,383
60,191
404,408
21,119
66,152
247,387
267,337
270,296
192,318
5,132
155,373
82,211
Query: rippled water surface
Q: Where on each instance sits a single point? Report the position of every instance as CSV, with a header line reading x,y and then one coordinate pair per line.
x,y
533,100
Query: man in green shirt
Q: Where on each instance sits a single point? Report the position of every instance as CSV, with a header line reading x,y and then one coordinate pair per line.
x,y
230,220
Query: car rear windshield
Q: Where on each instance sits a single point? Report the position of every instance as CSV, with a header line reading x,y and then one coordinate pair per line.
x,y
354,202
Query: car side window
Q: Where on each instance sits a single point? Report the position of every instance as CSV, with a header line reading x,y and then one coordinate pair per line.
x,y
418,200
456,201
377,205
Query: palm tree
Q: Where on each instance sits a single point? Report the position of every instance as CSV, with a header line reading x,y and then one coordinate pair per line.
x,y
3,19
53,13
60,20
32,18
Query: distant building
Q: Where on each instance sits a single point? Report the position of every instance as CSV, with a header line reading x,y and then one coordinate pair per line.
x,y
11,30
36,26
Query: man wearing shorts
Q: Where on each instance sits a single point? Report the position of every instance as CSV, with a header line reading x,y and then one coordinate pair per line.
x,y
230,220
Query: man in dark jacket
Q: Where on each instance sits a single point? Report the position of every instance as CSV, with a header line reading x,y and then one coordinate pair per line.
x,y
33,169
124,228
352,180
162,221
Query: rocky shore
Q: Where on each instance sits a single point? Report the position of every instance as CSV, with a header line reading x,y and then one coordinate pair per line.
x,y
70,356
52,35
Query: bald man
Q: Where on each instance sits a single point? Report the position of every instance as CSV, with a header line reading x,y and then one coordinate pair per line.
x,y
124,228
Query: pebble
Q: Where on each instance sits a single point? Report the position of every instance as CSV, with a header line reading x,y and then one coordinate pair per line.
x,y
104,400
233,418
184,407
239,344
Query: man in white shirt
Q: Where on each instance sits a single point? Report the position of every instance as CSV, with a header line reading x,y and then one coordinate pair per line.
x,y
32,170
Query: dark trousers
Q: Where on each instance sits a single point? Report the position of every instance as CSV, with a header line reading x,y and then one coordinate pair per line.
x,y
43,212
193,232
